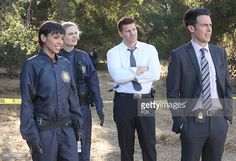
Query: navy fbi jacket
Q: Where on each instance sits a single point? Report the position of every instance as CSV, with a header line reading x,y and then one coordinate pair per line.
x,y
85,75
48,91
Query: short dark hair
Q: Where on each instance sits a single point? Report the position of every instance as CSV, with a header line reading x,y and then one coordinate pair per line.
x,y
191,15
48,27
124,21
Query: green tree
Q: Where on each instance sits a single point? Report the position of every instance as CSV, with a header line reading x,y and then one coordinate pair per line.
x,y
160,22
17,37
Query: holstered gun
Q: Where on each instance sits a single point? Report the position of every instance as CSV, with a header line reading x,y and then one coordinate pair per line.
x,y
91,100
153,91
77,130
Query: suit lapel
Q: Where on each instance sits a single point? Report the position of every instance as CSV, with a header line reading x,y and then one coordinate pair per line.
x,y
216,62
214,58
194,60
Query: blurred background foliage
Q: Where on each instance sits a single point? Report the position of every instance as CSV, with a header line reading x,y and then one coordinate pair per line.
x,y
160,22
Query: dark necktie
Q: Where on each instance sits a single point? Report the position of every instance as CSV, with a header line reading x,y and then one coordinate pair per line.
x,y
206,85
137,86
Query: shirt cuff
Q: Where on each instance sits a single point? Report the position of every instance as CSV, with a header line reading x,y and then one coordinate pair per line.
x,y
133,69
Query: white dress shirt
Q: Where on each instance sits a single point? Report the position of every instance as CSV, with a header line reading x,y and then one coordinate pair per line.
x,y
214,94
118,62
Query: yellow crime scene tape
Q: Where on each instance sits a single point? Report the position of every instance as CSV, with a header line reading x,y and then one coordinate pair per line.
x,y
17,101
10,101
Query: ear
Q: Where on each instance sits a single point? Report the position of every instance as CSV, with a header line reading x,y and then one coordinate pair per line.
x,y
43,38
191,28
120,33
78,37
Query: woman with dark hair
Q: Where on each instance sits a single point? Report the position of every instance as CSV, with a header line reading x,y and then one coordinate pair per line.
x,y
49,99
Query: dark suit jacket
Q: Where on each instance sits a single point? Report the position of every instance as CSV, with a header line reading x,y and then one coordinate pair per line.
x,y
184,81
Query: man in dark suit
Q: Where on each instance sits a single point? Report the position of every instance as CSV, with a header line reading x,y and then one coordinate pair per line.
x,y
198,76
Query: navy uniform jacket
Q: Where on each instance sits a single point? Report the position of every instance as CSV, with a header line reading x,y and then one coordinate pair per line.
x,y
48,91
85,74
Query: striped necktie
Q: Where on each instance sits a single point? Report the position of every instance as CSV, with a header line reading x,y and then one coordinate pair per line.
x,y
137,86
206,86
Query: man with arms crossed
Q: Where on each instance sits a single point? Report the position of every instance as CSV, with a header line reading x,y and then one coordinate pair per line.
x,y
133,65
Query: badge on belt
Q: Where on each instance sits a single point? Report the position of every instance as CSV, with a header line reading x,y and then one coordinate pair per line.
x,y
200,117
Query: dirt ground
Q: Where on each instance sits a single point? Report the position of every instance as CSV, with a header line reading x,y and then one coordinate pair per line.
x,y
104,139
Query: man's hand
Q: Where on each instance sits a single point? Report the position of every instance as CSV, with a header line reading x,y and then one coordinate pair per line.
x,y
101,117
141,69
34,147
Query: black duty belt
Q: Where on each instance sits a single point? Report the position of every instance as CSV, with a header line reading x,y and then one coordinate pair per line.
x,y
43,124
210,112
201,114
134,95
